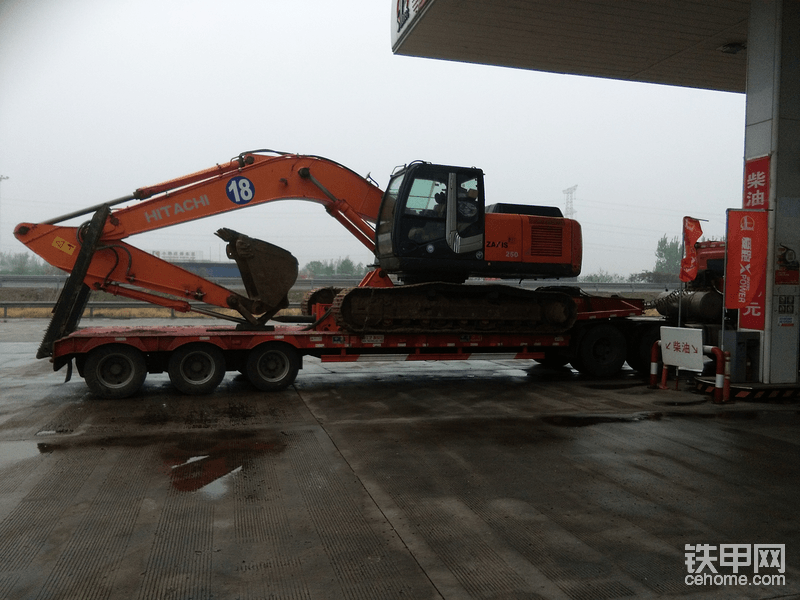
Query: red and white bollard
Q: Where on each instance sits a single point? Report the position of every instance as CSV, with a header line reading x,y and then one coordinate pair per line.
x,y
654,363
722,380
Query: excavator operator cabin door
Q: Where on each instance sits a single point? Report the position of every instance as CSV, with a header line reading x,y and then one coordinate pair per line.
x,y
438,221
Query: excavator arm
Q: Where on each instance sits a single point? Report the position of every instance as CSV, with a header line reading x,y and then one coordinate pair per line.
x,y
98,259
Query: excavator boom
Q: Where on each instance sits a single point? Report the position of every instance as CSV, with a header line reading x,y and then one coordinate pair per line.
x,y
105,262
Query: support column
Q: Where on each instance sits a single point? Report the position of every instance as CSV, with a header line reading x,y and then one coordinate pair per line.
x,y
773,129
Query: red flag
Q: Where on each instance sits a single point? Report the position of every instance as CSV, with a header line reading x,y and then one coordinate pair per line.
x,y
691,233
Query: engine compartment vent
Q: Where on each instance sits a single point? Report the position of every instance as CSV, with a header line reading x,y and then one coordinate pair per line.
x,y
546,240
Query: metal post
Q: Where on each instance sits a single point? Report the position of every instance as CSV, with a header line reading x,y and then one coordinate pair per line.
x,y
720,341
680,285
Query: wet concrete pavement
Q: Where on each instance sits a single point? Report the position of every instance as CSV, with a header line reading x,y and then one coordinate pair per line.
x,y
487,479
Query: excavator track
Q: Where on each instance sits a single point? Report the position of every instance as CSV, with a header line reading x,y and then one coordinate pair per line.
x,y
324,295
455,308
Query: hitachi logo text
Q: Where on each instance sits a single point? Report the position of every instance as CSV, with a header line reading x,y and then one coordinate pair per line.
x,y
170,211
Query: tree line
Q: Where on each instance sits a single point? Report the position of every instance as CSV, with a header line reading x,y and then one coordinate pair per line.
x,y
24,263
665,270
342,267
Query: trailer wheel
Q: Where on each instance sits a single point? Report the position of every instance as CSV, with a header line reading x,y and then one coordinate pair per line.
x,y
196,369
575,361
640,346
632,355
115,371
272,367
601,351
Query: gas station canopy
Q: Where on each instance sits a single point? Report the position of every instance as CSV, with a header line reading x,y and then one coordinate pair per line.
x,y
690,43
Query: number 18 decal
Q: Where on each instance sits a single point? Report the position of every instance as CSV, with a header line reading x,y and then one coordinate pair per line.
x,y
240,190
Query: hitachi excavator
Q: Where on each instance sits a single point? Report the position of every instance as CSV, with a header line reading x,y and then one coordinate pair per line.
x,y
431,229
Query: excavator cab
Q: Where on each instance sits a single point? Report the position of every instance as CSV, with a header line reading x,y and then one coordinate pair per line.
x,y
431,223
434,225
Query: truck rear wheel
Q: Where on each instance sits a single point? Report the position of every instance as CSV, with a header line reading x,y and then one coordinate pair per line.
x,y
640,346
272,367
196,369
115,371
601,351
554,358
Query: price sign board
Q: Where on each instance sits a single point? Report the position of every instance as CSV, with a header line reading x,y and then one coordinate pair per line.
x,y
682,347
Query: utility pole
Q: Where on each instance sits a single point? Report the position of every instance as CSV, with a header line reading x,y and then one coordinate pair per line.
x,y
2,177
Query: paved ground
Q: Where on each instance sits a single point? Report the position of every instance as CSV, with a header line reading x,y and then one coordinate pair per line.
x,y
423,480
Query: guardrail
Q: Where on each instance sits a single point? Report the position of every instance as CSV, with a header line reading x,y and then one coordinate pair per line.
x,y
56,281
92,306
33,281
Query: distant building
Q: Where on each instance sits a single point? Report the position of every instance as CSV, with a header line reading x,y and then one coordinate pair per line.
x,y
174,255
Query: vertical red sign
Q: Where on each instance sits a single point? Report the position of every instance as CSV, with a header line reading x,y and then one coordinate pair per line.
x,y
756,183
746,273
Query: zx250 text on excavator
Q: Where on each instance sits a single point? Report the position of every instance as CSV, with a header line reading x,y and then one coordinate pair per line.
x,y
430,230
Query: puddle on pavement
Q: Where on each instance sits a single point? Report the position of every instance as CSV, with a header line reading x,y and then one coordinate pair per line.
x,y
728,415
586,420
203,463
544,374
12,452
216,488
680,402
206,464
616,385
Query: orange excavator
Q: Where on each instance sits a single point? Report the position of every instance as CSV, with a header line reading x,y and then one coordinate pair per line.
x,y
431,229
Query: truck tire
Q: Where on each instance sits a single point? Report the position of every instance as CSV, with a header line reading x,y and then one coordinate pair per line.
x,y
197,368
272,366
115,371
554,358
601,351
640,345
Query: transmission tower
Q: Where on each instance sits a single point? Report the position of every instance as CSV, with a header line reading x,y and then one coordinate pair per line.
x,y
569,199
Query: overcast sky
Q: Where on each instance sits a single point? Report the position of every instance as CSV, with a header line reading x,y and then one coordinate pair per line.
x,y
99,97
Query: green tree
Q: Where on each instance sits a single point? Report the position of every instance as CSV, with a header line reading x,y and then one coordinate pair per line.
x,y
317,268
344,267
668,255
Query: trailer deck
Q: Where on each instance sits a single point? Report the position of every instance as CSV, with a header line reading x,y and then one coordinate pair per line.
x,y
332,346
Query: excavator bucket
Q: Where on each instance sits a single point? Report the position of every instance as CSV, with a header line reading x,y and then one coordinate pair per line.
x,y
268,273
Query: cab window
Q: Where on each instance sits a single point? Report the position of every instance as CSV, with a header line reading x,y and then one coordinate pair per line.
x,y
386,219
427,197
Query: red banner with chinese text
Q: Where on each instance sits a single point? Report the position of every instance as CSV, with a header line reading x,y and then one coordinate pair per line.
x,y
691,233
746,272
756,184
